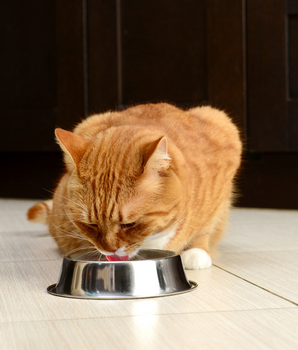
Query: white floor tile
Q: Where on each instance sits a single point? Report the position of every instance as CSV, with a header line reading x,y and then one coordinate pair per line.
x,y
275,271
26,246
263,215
23,296
246,237
258,329
8,205
244,303
261,230
17,222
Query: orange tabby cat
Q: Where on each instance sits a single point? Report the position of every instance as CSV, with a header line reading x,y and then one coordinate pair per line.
x,y
152,176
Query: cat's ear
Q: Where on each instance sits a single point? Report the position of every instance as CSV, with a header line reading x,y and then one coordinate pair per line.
x,y
159,160
149,182
157,164
72,144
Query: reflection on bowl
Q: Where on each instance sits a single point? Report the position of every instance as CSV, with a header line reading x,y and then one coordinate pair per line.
x,y
153,273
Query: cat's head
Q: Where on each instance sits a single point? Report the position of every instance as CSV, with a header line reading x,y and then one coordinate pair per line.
x,y
123,192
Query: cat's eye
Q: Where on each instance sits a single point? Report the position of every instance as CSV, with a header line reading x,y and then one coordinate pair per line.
x,y
94,226
131,224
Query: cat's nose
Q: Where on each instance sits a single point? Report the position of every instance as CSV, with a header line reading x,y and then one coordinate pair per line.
x,y
112,251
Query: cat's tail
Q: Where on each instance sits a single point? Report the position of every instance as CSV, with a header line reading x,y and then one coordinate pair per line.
x,y
40,212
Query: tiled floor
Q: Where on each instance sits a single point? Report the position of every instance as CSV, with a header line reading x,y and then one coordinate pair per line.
x,y
247,300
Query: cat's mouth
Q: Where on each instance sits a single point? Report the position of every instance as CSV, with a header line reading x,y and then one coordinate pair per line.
x,y
114,257
120,255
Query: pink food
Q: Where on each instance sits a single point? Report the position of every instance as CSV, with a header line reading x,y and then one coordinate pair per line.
x,y
117,257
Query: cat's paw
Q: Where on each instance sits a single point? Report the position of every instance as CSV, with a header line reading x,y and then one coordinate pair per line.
x,y
196,258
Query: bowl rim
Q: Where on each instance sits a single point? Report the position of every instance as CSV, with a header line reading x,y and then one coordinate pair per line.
x,y
163,257
52,290
168,255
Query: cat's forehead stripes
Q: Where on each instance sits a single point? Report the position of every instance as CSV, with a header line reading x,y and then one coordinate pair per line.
x,y
109,175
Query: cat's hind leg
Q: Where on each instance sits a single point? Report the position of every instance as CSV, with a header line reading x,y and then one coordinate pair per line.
x,y
40,212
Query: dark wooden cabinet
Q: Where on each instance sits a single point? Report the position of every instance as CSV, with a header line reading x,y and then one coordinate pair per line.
x,y
186,53
28,76
64,60
272,67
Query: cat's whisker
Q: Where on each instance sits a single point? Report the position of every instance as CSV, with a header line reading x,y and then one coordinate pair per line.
x,y
88,255
52,215
81,205
85,248
70,218
69,237
64,235
140,256
69,234
73,237
62,224
93,254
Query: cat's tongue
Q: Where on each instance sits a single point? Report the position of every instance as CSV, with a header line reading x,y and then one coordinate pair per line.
x,y
115,257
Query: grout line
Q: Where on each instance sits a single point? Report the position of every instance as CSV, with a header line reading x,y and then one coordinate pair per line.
x,y
289,249
146,315
256,285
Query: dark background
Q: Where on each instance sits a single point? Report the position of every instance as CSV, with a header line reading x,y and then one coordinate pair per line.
x,y
62,60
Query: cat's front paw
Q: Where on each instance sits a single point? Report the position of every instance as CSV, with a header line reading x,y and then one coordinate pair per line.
x,y
196,258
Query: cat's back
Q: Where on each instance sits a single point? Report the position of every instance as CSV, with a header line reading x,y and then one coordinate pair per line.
x,y
162,116
197,132
216,129
144,115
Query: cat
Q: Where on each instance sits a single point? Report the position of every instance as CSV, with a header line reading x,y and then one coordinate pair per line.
x,y
150,176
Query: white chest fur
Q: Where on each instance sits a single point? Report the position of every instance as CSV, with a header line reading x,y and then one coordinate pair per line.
x,y
159,240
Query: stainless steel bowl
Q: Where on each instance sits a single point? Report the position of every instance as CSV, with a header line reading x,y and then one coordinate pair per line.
x,y
153,273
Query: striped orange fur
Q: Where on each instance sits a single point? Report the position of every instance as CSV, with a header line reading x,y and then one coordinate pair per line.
x,y
149,176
